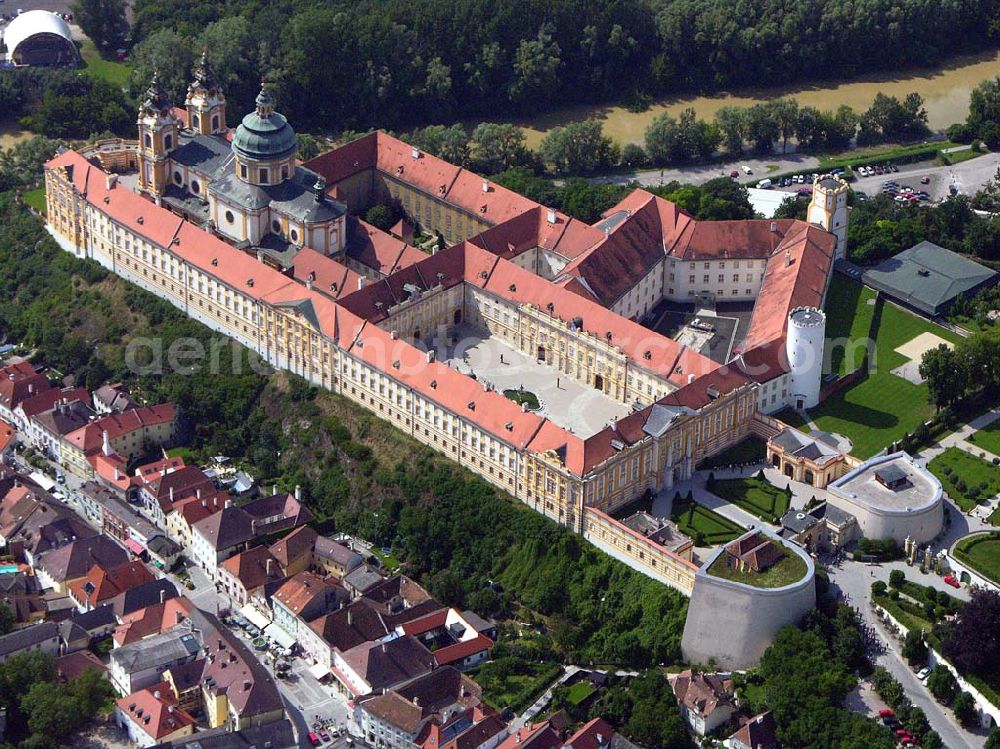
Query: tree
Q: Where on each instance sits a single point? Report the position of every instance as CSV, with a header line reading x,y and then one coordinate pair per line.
x,y
536,64
762,127
732,121
232,49
381,217
914,648
168,53
578,148
917,723
993,740
308,146
942,370
942,684
897,578
932,740
984,110
964,708
103,21
6,619
786,116
498,147
634,156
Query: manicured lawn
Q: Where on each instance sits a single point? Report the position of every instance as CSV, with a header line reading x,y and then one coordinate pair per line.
x,y
982,553
788,570
988,438
579,692
954,465
750,450
36,199
881,408
994,518
907,619
112,71
755,495
693,519
849,316
523,396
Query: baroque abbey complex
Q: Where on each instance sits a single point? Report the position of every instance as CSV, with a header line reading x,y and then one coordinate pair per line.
x,y
515,349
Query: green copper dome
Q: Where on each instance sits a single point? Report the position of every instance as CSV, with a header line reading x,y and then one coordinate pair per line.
x,y
264,135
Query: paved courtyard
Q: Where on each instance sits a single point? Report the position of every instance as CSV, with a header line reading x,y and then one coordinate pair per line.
x,y
581,409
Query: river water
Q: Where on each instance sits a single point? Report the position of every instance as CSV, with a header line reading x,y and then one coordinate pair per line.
x,y
945,90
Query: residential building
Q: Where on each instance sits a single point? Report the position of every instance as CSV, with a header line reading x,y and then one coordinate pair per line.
x,y
335,558
112,398
19,382
38,638
303,598
377,666
127,434
453,639
339,631
244,573
705,700
401,717
294,552
140,664
151,716
59,568
760,732
47,430
100,585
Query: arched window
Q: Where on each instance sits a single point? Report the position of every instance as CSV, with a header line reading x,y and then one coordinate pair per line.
x,y
215,122
148,140
168,141
195,121
195,187
178,178
229,217
284,172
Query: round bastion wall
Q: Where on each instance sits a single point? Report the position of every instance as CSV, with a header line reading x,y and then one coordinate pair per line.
x,y
732,624
917,514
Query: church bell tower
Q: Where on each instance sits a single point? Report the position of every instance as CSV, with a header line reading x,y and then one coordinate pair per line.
x,y
158,128
206,105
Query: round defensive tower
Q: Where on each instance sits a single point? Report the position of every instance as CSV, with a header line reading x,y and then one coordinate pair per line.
x,y
804,350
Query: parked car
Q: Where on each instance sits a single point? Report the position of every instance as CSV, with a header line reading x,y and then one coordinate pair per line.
x,y
324,735
923,673
746,169
886,712
925,180
313,738
764,184
950,580
734,174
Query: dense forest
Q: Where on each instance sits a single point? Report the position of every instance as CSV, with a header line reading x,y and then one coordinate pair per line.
x,y
358,473
392,63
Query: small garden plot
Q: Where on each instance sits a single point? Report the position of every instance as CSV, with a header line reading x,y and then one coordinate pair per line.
x,y
756,495
966,478
705,527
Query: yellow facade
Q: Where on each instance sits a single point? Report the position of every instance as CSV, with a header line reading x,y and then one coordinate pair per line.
x,y
289,340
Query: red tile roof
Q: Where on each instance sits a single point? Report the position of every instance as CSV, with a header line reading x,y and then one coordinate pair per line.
x,y
109,583
90,438
20,381
7,434
461,650
155,711
596,734
323,273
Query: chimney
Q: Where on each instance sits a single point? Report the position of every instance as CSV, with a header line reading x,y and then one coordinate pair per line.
x,y
117,477
178,617
524,407
690,378
110,180
229,503
385,648
156,694
550,216
269,565
361,282
197,493
260,256
171,495
486,186
163,596
416,701
31,388
106,446
394,334
204,503
415,152
349,617
298,493
430,356
170,708
788,257
246,685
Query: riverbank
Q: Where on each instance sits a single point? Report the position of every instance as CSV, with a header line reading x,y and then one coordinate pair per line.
x,y
946,91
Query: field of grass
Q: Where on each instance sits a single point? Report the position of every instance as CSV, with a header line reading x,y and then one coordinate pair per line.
x,y
988,438
750,450
850,310
881,408
112,71
982,553
692,519
788,570
755,495
907,619
882,154
36,199
954,465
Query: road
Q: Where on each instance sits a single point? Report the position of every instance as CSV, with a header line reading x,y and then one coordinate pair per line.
x,y
968,176
854,580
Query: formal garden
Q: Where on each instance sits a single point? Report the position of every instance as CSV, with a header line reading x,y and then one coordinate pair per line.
x,y
521,396
988,438
755,495
967,479
982,553
705,527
